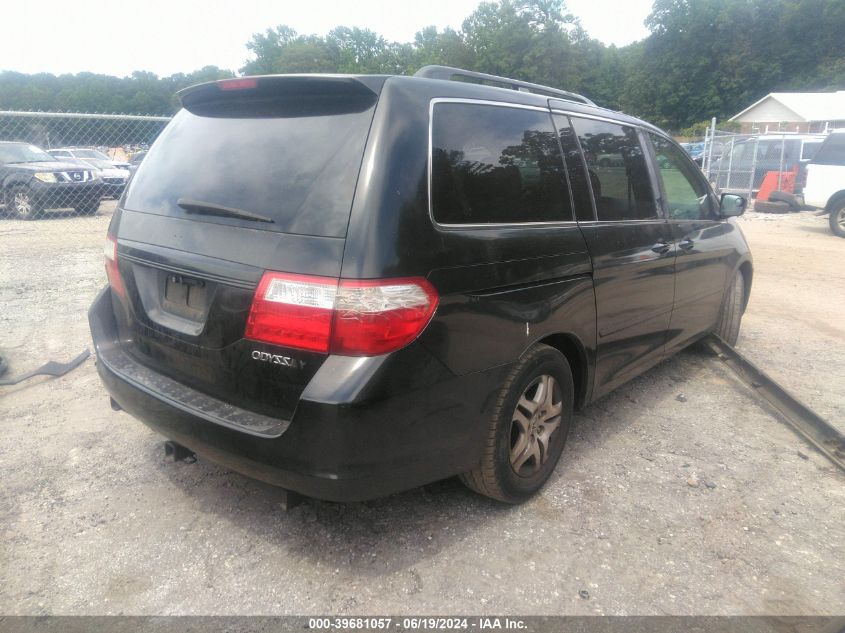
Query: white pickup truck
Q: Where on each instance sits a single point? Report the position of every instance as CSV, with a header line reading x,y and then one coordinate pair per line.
x,y
825,186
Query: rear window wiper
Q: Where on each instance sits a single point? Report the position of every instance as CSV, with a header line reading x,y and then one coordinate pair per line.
x,y
209,208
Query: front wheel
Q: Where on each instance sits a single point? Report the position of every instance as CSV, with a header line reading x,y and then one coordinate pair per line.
x,y
20,204
732,309
528,429
837,221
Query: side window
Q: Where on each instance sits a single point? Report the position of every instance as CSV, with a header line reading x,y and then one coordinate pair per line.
x,y
809,149
61,154
577,172
832,151
617,169
770,151
687,196
496,164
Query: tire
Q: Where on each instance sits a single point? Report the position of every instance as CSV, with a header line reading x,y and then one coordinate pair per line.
x,y
837,220
88,208
771,207
788,198
506,472
732,308
20,204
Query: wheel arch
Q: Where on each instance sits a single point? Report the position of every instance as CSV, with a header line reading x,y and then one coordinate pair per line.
x,y
746,269
576,355
835,201
14,180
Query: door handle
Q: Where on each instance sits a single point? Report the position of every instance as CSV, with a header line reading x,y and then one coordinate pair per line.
x,y
686,244
661,247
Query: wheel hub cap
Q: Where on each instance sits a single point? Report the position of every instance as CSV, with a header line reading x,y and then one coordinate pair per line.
x,y
536,418
22,203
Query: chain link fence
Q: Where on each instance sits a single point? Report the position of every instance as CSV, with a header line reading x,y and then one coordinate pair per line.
x,y
68,163
750,163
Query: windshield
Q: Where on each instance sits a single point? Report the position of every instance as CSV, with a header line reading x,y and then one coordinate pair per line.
x,y
90,153
300,171
23,153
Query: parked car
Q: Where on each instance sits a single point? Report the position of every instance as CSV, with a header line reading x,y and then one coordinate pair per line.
x,y
695,150
135,161
113,173
825,187
32,181
353,285
762,154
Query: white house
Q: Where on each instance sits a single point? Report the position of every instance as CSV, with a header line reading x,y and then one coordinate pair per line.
x,y
794,112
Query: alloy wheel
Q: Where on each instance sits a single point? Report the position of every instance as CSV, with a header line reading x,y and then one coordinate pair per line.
x,y
536,418
23,204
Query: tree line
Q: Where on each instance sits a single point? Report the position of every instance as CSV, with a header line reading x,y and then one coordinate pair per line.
x,y
702,58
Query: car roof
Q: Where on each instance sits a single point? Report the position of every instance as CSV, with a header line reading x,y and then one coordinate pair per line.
x,y
469,90
554,98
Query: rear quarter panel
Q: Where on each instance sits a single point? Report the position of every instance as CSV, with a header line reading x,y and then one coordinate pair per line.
x,y
502,288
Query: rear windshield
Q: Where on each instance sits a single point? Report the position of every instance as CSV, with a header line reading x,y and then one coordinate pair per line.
x,y
810,149
298,171
832,151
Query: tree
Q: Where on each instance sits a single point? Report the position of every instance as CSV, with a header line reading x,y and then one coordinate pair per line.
x,y
703,58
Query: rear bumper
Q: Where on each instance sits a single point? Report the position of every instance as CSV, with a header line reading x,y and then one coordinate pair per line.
x,y
355,434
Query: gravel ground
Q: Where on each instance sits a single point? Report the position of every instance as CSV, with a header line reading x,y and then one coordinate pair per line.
x,y
794,328
702,504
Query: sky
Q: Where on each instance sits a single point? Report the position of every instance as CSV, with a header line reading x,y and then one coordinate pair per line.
x,y
167,37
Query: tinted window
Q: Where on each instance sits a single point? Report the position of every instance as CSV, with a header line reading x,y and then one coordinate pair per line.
x,y
617,169
810,149
771,151
300,171
494,164
575,169
687,197
832,151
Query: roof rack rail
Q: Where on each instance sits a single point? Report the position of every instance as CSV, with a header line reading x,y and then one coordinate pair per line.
x,y
447,73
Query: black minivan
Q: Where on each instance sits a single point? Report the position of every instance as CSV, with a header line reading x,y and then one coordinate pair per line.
x,y
353,285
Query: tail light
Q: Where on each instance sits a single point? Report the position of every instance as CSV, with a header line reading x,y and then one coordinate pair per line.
x,y
376,317
112,271
347,317
243,83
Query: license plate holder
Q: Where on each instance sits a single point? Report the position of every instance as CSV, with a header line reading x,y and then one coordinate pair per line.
x,y
186,297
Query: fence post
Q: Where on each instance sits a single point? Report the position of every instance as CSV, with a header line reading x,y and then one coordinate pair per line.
x,y
730,164
780,167
712,138
753,169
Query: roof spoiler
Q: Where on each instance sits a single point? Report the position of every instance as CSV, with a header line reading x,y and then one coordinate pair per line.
x,y
282,95
448,73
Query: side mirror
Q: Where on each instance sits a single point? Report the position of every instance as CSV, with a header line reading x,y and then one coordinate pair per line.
x,y
731,206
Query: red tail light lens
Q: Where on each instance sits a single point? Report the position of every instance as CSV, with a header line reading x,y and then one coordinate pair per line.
x,y
245,83
293,311
112,271
347,317
377,317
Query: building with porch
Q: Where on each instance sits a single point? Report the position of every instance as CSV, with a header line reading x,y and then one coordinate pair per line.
x,y
807,112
